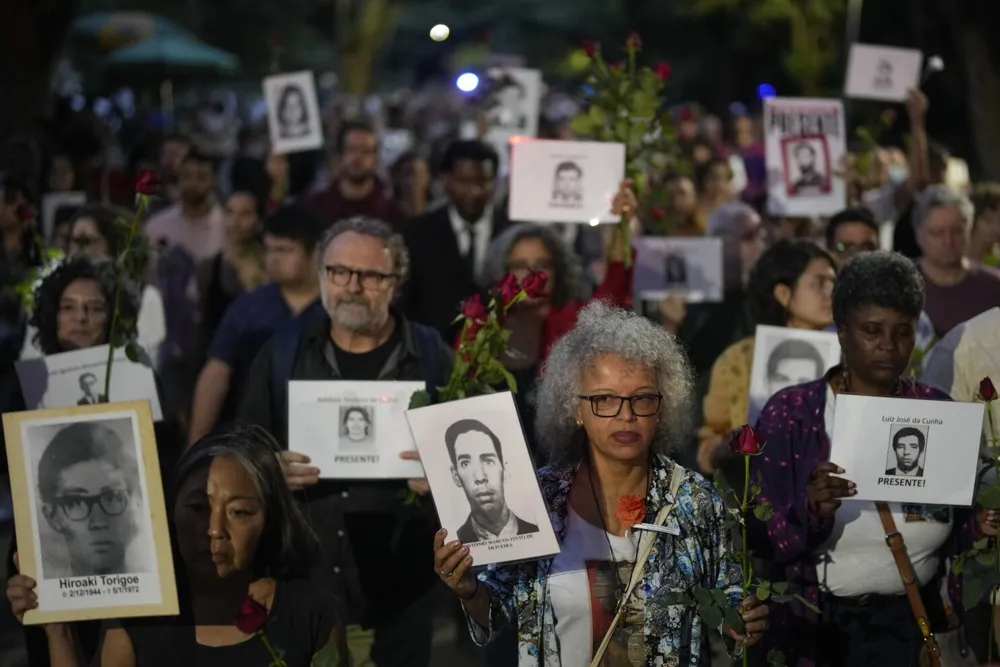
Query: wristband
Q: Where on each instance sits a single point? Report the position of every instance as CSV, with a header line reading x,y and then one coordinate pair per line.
x,y
472,594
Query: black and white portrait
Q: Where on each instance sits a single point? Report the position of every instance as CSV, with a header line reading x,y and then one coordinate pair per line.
x,y
506,103
907,450
293,113
806,162
883,75
792,362
88,387
357,427
675,270
93,518
567,185
477,467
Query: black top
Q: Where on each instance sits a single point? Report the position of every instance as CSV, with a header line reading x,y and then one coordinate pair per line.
x,y
298,626
368,365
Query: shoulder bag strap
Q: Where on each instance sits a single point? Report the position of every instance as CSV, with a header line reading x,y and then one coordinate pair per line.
x,y
905,567
642,554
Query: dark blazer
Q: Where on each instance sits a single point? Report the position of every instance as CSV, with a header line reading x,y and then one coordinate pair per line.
x,y
467,535
439,277
892,471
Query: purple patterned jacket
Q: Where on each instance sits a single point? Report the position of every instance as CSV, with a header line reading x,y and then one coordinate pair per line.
x,y
792,424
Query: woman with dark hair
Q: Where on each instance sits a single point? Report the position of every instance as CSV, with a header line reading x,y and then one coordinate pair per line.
x,y
866,616
292,113
356,424
241,540
714,180
789,287
96,232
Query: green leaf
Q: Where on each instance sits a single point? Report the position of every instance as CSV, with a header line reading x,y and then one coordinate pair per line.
x,y
779,587
988,496
979,545
733,620
712,615
622,129
809,605
763,590
958,565
704,598
597,115
986,558
420,399
675,598
763,512
972,592
776,658
720,598
133,352
754,490
329,656
582,125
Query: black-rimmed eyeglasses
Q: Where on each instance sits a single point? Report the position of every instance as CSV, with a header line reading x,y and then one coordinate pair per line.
x,y
341,276
78,507
609,405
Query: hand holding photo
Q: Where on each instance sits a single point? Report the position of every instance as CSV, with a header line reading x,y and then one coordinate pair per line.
x,y
482,478
882,73
908,450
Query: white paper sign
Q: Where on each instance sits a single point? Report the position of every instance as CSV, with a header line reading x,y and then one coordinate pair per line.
x,y
77,378
804,145
690,266
784,357
908,450
353,430
293,118
565,181
882,73
52,202
512,107
482,478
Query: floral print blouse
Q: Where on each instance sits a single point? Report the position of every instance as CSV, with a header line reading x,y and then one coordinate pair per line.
x,y
694,558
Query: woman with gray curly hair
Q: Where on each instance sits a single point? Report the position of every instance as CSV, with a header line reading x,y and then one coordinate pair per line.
x,y
614,404
866,616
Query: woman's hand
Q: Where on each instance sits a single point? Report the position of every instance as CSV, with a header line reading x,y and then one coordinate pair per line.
x,y
418,485
754,614
21,593
298,474
988,522
452,562
825,491
625,202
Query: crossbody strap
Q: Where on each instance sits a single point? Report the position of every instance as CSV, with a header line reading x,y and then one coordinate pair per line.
x,y
642,554
906,573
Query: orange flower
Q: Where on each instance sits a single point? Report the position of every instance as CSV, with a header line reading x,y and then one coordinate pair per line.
x,y
631,510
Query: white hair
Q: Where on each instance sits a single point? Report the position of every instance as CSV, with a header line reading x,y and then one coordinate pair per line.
x,y
938,196
605,329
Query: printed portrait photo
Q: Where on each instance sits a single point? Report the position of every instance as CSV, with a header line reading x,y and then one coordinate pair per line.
x,y
506,103
883,74
89,495
477,468
807,166
793,362
89,389
293,113
675,270
907,450
357,427
567,185
293,117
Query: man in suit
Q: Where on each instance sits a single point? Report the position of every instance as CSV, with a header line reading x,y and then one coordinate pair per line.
x,y
477,468
908,444
448,245
87,383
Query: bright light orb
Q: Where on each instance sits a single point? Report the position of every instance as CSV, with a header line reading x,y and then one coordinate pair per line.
x,y
440,32
467,82
766,90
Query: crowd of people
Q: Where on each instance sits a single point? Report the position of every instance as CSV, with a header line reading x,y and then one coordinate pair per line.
x,y
356,271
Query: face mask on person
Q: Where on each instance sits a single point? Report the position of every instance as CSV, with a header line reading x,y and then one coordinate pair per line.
x,y
897,174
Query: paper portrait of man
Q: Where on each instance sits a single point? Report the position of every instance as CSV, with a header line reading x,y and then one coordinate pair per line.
x,y
506,102
907,447
808,174
88,385
567,185
675,269
792,362
883,74
477,467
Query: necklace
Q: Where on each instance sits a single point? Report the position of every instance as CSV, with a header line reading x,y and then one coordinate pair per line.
x,y
619,584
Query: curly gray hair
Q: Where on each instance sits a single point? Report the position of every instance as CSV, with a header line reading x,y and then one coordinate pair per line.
x,y
568,279
604,329
392,241
939,196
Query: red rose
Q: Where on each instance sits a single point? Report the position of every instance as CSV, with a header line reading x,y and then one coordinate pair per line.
x,y
663,70
633,41
589,47
26,212
657,213
473,308
534,284
986,389
507,289
252,617
630,510
746,442
617,66
146,182
686,115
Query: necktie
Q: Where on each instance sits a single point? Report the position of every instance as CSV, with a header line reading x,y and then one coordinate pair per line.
x,y
470,255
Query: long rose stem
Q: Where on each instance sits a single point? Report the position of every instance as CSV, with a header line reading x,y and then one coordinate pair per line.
x,y
744,558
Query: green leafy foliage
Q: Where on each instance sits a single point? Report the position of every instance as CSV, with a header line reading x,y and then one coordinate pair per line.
x,y
763,512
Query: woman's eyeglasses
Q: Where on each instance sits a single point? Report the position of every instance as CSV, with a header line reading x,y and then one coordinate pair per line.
x,y
609,405
79,507
371,280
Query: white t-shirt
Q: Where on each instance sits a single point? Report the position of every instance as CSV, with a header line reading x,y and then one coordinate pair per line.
x,y
582,588
856,560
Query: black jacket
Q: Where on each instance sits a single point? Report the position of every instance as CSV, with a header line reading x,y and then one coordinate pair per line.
x,y
377,553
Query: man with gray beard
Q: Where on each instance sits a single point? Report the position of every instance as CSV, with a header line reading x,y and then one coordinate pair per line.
x,y
373,546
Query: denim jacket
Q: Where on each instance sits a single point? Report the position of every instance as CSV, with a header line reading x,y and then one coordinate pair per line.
x,y
694,558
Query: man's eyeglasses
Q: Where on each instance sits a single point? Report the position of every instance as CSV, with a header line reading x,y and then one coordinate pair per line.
x,y
854,248
371,280
79,507
609,405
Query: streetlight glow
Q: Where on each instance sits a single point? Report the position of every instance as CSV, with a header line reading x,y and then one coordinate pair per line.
x,y
440,32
